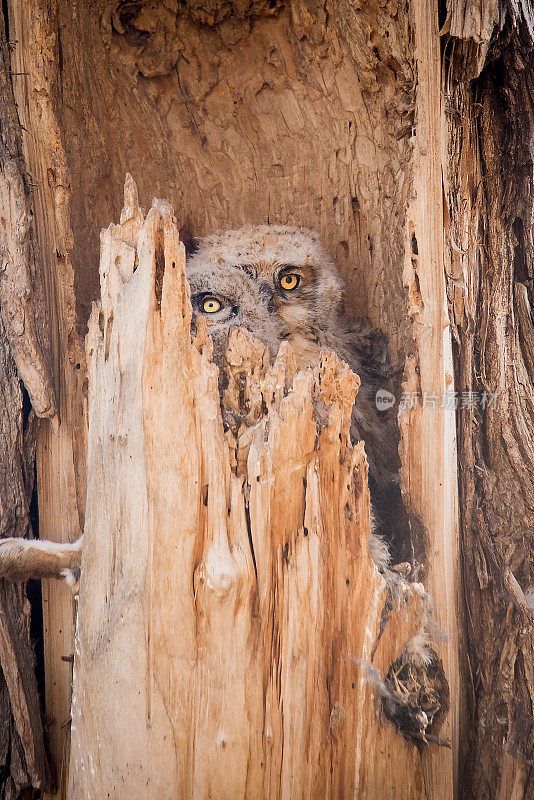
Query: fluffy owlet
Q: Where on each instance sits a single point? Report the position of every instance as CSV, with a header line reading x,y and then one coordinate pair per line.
x,y
279,283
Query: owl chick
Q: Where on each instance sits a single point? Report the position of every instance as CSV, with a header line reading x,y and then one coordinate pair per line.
x,y
279,283
276,281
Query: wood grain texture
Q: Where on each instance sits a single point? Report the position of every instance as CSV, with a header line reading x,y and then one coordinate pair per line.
x,y
474,19
428,431
298,113
23,761
226,621
94,102
490,269
19,287
61,454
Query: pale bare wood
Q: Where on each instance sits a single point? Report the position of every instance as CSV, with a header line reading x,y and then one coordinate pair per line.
x,y
57,506
212,140
61,454
180,129
428,431
221,652
475,19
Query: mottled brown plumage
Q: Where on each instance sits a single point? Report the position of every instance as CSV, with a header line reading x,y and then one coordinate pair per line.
x,y
279,283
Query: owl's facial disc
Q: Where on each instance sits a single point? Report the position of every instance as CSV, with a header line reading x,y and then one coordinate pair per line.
x,y
275,281
295,295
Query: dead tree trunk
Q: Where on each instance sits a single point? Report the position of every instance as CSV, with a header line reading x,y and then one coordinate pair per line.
x,y
23,762
230,615
344,117
488,84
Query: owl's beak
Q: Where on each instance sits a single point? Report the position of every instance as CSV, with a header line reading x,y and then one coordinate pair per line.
x,y
267,295
266,291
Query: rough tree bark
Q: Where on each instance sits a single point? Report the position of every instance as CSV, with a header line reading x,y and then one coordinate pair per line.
x,y
488,84
23,762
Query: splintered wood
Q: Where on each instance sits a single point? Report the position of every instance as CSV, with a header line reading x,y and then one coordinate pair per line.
x,y
229,611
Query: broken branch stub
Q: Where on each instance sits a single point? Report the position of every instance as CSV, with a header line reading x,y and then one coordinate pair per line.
x,y
228,604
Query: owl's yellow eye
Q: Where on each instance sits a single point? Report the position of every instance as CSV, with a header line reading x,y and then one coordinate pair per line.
x,y
211,305
289,281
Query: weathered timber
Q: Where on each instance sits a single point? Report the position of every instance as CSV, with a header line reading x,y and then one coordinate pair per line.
x,y
61,454
490,277
229,611
23,761
428,431
17,287
290,113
